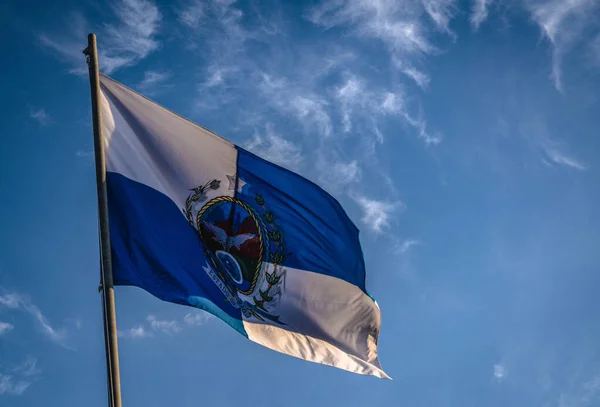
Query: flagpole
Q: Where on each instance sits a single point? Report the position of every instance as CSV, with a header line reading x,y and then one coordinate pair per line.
x,y
107,289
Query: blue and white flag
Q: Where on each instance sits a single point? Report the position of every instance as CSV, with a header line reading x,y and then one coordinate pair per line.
x,y
196,220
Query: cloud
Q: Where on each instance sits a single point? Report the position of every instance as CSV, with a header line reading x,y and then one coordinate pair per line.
x,y
137,332
197,318
16,381
131,38
305,106
272,147
191,14
441,12
217,29
499,372
10,385
5,327
167,327
341,173
562,22
41,117
479,12
18,301
350,94
395,23
28,368
419,77
377,215
153,80
405,245
554,152
582,394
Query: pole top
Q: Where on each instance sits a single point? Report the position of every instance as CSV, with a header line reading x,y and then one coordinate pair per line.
x,y
91,41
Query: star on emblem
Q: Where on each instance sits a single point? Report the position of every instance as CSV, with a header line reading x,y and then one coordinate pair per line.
x,y
241,183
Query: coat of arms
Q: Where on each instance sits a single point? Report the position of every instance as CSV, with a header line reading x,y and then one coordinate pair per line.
x,y
244,247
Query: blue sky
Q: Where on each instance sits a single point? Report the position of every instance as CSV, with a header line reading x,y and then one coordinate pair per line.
x,y
461,137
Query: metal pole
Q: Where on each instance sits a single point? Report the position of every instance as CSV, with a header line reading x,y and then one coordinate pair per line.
x,y
108,293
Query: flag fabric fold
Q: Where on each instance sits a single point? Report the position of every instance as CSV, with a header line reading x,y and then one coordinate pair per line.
x,y
199,221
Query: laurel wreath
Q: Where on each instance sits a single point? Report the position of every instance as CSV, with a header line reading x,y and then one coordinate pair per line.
x,y
273,239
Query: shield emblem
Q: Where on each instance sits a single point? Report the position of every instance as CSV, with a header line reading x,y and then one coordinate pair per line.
x,y
233,241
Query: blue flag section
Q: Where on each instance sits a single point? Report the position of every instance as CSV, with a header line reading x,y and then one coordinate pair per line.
x,y
197,221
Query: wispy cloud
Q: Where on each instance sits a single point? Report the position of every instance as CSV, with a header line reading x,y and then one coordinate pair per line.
x,y
309,108
131,38
167,327
419,77
405,245
562,22
17,301
197,318
5,327
136,332
479,12
273,147
441,12
41,116
153,80
499,372
553,150
350,94
556,153
377,215
28,368
395,23
338,174
582,393
10,385
191,14
17,380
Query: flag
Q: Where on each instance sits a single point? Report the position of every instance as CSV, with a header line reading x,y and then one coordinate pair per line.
x,y
199,221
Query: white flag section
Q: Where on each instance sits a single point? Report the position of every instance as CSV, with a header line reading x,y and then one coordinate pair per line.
x,y
198,221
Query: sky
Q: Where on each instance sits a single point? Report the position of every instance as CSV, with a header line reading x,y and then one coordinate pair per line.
x,y
462,137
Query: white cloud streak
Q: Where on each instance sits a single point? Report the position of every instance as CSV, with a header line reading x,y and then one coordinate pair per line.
x,y
136,332
554,153
308,108
41,116
192,14
168,327
17,301
499,372
441,12
5,328
272,147
377,215
28,368
16,381
153,80
197,318
395,23
122,43
479,12
406,245
562,22
419,77
10,385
